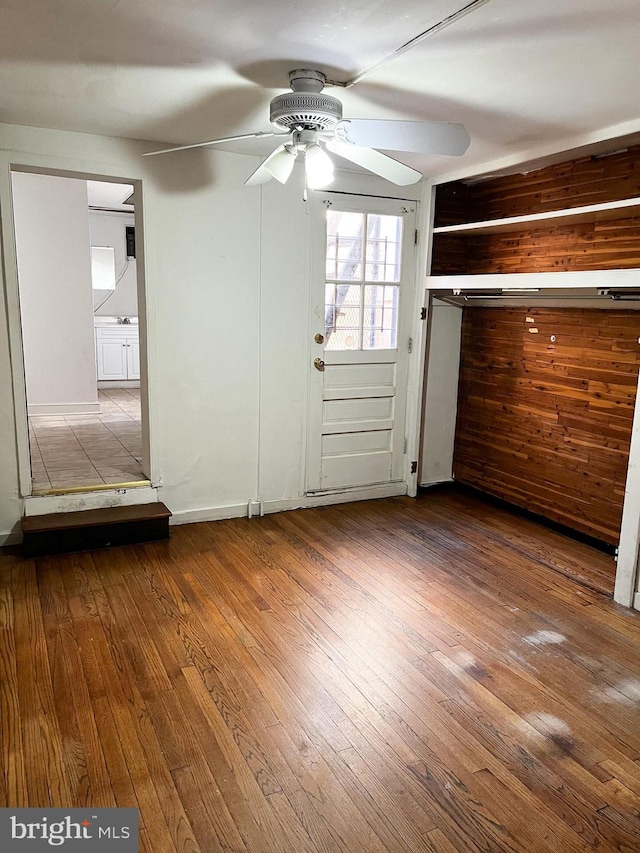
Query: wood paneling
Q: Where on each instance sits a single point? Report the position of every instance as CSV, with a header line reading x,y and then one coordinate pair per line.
x,y
613,244
455,204
584,246
545,425
392,676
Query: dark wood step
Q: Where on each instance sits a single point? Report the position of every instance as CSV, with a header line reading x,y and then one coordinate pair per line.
x,y
61,532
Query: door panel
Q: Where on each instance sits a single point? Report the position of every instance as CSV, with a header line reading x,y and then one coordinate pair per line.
x,y
112,358
357,469
363,380
366,411
133,359
335,444
362,290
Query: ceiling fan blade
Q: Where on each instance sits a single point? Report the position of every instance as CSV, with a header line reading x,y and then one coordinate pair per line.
x,y
278,165
376,162
257,135
423,137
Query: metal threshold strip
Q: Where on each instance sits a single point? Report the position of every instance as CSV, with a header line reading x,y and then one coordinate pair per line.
x,y
102,487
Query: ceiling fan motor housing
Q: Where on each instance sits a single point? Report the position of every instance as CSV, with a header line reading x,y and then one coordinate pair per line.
x,y
306,106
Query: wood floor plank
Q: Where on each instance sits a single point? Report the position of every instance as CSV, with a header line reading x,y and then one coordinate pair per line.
x,y
226,782
319,790
14,780
392,676
42,742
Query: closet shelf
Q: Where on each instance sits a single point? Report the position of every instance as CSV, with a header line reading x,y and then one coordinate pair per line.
x,y
599,279
587,213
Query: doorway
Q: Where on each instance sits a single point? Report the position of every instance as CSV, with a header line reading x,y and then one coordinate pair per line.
x,y
364,261
78,283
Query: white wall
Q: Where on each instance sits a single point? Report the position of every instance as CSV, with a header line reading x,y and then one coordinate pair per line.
x,y
108,229
284,339
441,394
52,245
202,232
227,294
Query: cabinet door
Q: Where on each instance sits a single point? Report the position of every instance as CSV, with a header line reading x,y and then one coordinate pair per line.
x,y
112,358
133,358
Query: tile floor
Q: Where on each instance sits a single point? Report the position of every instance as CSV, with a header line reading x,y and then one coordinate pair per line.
x,y
72,451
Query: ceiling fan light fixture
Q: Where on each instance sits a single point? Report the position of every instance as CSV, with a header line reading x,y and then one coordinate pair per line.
x,y
281,166
318,167
309,117
278,165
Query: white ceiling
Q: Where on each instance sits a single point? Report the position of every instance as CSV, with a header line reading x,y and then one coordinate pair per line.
x,y
112,196
519,74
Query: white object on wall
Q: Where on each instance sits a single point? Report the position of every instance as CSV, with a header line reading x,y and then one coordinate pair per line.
x,y
54,272
108,229
103,267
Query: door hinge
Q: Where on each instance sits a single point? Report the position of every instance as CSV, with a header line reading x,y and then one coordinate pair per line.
x,y
415,238
423,313
414,467
404,446
410,345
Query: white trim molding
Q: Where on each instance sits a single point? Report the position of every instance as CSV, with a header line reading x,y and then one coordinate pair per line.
x,y
219,513
36,409
627,568
45,504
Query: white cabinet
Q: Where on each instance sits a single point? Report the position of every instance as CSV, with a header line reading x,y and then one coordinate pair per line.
x,y
133,358
118,352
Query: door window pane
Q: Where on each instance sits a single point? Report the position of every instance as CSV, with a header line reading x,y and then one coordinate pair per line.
x,y
362,248
342,316
344,245
384,239
380,318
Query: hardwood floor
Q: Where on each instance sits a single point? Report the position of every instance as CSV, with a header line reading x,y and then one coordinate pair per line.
x,y
398,675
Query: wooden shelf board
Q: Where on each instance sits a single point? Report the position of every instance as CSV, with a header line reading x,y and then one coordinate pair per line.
x,y
564,278
587,213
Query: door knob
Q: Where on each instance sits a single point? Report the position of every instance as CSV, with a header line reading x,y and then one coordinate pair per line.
x,y
319,338
318,363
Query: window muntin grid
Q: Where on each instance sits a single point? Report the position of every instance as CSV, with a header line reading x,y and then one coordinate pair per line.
x,y
363,249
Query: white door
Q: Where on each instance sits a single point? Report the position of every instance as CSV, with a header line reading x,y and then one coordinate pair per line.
x,y
363,270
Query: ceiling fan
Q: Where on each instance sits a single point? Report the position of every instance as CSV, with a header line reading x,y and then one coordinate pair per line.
x,y
312,123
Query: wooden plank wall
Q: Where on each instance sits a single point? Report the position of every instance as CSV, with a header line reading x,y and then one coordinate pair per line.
x,y
602,245
585,246
547,426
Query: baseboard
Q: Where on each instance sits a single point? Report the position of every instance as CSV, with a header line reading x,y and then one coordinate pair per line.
x,y
219,513
214,513
35,409
104,384
428,484
9,539
636,601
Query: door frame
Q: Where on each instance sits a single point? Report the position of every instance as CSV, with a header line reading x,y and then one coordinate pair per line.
x,y
8,257
356,202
